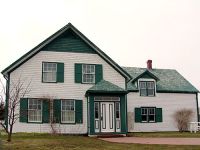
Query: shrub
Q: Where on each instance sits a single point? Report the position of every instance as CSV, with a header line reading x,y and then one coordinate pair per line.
x,y
182,118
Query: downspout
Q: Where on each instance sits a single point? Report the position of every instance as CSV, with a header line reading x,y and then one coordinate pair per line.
x,y
197,107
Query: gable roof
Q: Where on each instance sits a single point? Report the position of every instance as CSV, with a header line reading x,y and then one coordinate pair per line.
x,y
169,80
105,87
69,26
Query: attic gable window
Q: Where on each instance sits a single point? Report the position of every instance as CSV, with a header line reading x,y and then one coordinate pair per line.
x,y
147,88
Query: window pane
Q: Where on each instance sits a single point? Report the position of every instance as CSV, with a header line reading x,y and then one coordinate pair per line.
x,y
144,118
143,92
96,110
150,92
143,85
117,111
150,85
151,118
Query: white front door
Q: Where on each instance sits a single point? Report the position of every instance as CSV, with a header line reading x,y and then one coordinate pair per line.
x,y
107,117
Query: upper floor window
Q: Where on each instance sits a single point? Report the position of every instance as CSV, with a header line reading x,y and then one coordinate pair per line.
x,y
34,110
49,72
88,73
68,111
147,88
52,72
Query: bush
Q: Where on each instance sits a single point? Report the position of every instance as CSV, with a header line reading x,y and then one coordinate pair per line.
x,y
182,118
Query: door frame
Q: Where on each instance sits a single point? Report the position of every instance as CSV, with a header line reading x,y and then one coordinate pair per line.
x,y
106,99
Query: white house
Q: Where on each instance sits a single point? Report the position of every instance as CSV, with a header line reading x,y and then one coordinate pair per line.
x,y
91,93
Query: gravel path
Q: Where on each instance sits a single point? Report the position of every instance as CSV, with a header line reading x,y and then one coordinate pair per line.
x,y
168,141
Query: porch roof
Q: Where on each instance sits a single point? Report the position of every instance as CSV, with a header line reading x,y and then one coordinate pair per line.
x,y
105,87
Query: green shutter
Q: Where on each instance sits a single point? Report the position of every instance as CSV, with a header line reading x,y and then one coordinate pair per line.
x,y
78,73
79,111
60,72
45,111
138,117
23,110
158,114
98,73
57,110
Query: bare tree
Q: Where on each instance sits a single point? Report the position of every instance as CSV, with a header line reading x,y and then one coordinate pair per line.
x,y
182,118
17,90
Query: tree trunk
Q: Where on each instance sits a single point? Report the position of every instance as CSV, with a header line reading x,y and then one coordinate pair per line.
x,y
10,134
9,137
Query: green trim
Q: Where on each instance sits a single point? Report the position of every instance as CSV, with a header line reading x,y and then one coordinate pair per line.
x,y
57,110
23,117
159,115
78,111
78,73
60,72
138,117
146,74
174,91
98,73
197,103
45,111
7,99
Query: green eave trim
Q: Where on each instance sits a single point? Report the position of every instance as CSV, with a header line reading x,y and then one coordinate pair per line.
x,y
113,92
148,73
174,91
168,91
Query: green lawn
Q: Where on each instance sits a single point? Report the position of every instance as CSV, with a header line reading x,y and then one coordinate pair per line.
x,y
24,141
165,134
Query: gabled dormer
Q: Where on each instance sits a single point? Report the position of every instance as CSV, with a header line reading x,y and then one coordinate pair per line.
x,y
146,81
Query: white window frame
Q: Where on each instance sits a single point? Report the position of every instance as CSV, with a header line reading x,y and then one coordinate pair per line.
x,y
152,114
144,114
147,80
67,111
85,73
38,121
43,71
148,113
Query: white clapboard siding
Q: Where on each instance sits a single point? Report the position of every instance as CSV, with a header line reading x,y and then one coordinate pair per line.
x,y
31,71
169,102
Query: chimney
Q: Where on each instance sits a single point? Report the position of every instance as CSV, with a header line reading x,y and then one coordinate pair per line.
x,y
149,64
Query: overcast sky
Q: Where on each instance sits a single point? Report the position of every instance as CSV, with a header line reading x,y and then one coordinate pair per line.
x,y
129,31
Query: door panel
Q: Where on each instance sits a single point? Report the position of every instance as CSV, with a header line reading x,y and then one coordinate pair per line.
x,y
107,117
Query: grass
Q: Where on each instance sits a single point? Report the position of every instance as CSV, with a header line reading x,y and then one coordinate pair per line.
x,y
33,141
165,134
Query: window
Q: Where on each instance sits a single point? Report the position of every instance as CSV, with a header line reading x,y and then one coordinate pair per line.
x,y
49,72
88,73
67,111
34,110
147,88
148,114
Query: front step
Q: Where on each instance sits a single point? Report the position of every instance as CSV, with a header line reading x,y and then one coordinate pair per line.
x,y
110,135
